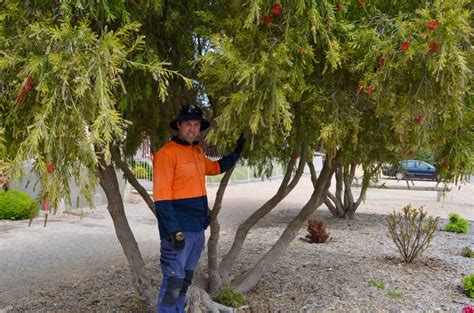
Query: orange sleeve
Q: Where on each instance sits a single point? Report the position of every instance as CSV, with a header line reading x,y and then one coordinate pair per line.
x,y
212,167
164,165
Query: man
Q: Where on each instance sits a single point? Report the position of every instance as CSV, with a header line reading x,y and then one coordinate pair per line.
x,y
179,192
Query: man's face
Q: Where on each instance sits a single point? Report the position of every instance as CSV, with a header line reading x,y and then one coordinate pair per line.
x,y
189,130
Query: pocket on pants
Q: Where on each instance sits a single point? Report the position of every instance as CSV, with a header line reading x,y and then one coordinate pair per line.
x,y
169,260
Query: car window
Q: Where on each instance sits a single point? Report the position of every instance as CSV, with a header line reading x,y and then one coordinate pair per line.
x,y
426,165
410,164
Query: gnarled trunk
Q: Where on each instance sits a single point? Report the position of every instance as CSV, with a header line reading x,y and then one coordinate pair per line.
x,y
286,187
342,203
198,300
215,281
322,185
141,281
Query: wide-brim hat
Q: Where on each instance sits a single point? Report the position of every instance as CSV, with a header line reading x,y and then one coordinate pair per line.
x,y
190,113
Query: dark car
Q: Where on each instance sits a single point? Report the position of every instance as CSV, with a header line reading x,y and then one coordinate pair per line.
x,y
411,169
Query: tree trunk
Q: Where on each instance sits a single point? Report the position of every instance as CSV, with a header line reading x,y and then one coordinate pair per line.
x,y
346,208
368,174
286,187
323,182
215,281
197,301
141,281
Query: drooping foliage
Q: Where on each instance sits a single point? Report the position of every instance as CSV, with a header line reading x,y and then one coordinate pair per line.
x,y
377,80
368,82
67,71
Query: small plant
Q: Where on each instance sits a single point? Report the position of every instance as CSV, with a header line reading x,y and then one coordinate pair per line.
x,y
317,231
377,283
411,231
140,172
229,296
17,205
467,252
139,305
457,224
468,282
395,294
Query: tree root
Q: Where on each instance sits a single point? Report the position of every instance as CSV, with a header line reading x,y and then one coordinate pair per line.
x,y
197,301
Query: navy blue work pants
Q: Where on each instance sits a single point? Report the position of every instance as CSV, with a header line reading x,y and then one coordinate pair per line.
x,y
178,268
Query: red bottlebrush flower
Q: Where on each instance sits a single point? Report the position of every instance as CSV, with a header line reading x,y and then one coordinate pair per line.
x,y
418,118
28,83
405,45
362,2
339,6
21,94
381,61
445,164
369,91
408,153
50,167
276,8
358,89
468,309
267,19
434,47
432,25
301,50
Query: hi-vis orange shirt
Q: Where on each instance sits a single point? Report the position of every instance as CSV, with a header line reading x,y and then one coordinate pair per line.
x,y
179,186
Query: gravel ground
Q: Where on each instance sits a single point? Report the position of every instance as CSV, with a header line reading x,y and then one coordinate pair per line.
x,y
76,264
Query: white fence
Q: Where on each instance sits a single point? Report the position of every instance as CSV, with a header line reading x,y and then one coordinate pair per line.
x,y
143,170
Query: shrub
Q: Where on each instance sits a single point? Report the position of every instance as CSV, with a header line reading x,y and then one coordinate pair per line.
x,y
468,282
457,224
140,172
229,296
467,252
411,231
17,205
317,231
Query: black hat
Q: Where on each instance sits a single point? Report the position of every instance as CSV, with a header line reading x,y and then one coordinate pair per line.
x,y
190,113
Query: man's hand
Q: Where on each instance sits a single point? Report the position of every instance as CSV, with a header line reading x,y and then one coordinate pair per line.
x,y
177,240
240,144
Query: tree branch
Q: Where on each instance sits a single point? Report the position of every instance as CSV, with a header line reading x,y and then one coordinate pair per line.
x,y
229,259
131,179
215,280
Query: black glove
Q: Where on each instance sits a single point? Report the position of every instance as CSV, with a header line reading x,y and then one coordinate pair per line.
x,y
240,144
177,240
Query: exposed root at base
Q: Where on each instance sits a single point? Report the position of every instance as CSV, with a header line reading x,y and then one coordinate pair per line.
x,y
198,300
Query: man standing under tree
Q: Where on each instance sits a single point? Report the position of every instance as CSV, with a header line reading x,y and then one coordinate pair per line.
x,y
179,192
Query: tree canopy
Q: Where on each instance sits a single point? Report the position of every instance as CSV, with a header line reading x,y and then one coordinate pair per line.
x,y
365,82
